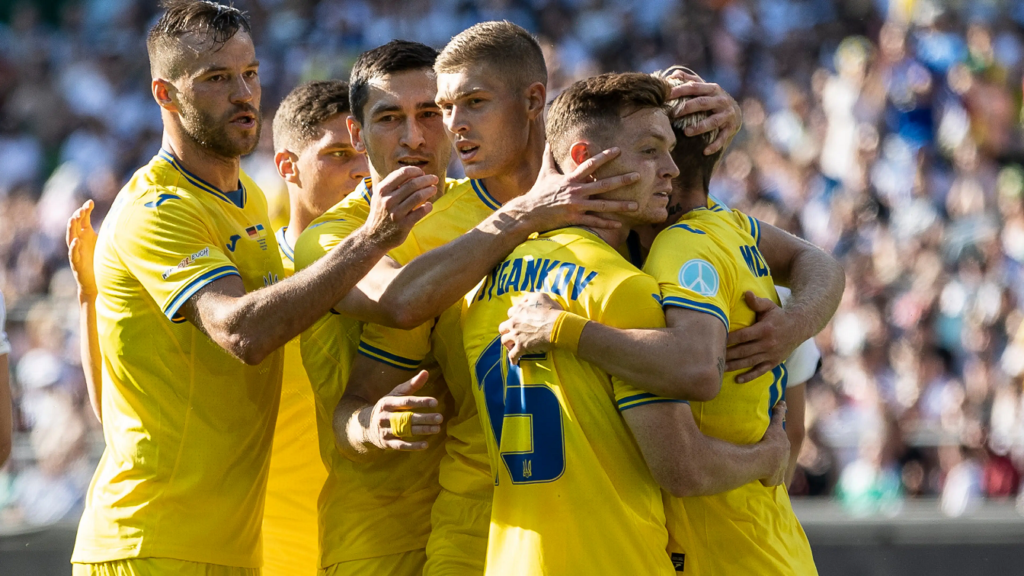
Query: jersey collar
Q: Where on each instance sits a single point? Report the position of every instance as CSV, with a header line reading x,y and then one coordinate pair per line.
x,y
282,240
484,195
236,197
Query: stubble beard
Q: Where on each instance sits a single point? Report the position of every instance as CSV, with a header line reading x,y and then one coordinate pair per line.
x,y
211,134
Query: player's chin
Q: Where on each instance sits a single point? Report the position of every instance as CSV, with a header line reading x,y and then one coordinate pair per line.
x,y
477,168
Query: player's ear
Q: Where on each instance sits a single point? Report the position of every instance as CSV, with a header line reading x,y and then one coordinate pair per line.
x,y
287,166
580,153
355,132
536,95
163,93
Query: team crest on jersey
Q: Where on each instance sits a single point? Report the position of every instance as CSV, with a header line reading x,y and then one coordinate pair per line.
x,y
186,261
269,279
699,276
259,234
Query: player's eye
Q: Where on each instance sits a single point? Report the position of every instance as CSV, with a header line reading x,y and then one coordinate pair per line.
x,y
341,154
251,73
475,101
431,114
217,78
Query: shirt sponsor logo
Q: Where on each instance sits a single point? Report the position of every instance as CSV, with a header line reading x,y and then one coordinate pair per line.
x,y
186,261
233,242
699,276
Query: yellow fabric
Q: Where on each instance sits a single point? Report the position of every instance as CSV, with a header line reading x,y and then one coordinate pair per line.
x,y
573,494
706,262
404,564
401,424
458,538
464,468
187,427
159,567
567,330
290,539
362,507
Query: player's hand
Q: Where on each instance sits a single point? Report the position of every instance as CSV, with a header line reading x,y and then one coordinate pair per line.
x,y
529,324
81,240
557,199
776,442
401,400
399,201
764,344
723,111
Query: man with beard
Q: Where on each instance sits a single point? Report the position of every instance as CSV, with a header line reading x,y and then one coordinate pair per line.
x,y
192,313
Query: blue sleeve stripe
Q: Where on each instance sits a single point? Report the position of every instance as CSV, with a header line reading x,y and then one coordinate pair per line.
x,y
194,286
387,357
699,307
652,400
755,229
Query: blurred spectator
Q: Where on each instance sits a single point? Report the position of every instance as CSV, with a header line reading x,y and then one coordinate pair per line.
x,y
888,133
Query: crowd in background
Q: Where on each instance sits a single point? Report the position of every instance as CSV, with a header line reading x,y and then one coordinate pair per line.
x,y
888,133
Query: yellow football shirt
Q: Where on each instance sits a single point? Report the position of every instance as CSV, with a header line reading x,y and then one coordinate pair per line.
x,y
464,468
573,494
361,506
188,428
705,262
290,539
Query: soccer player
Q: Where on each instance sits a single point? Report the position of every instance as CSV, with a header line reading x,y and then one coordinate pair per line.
x,y
319,165
566,439
192,313
709,268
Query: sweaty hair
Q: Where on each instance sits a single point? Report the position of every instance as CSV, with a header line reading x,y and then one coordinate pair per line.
x,y
217,22
695,168
394,57
510,51
303,111
594,107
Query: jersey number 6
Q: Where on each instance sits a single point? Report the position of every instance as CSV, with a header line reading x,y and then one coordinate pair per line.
x,y
533,447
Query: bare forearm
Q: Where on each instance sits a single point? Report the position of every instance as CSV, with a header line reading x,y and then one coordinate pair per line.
x,y
722,466
351,427
432,282
253,325
92,359
817,282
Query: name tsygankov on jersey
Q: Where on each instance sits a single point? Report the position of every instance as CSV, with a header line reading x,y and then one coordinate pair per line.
x,y
531,274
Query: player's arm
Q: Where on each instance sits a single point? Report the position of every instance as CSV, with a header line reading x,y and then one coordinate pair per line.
x,y
252,325
6,417
405,297
651,359
377,411
81,240
817,282
687,463
795,427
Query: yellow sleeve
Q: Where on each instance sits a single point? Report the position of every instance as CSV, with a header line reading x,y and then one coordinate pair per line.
x,y
749,224
692,271
635,303
404,349
167,245
318,239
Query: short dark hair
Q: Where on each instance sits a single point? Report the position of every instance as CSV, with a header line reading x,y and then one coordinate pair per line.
x,y
217,21
594,106
695,168
391,58
509,49
303,111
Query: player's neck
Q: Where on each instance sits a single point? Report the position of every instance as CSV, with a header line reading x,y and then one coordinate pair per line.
x,y
299,215
682,202
615,237
219,171
518,181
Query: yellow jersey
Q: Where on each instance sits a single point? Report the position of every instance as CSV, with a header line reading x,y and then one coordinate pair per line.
x,y
705,262
573,494
464,468
361,506
188,428
296,471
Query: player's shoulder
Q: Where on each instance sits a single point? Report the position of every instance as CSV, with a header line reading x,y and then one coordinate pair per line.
x,y
330,228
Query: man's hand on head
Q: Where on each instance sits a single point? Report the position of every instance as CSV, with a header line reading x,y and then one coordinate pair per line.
x,y
399,201
724,114
558,200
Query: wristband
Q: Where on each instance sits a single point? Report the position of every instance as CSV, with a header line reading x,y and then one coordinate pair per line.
x,y
566,331
401,424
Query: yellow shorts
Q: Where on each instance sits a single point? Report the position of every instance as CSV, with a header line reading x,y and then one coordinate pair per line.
x,y
159,567
458,536
405,564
